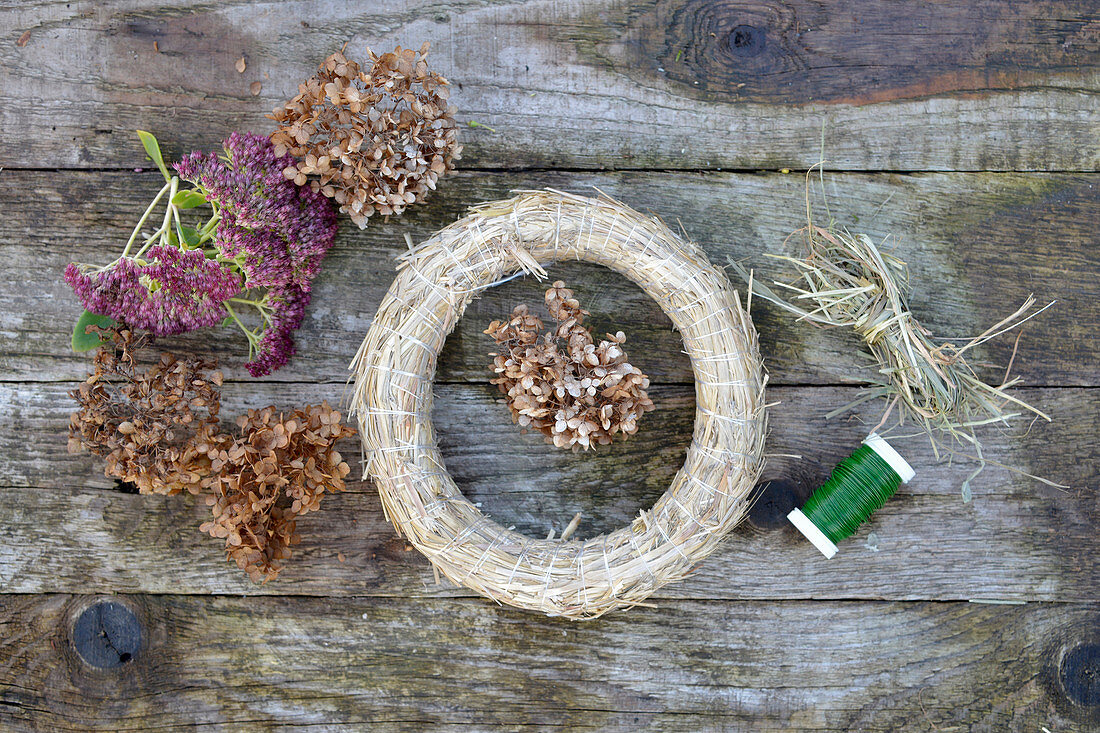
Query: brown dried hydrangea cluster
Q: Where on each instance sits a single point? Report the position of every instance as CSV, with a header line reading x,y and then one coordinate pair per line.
x,y
158,428
148,425
275,472
576,392
376,140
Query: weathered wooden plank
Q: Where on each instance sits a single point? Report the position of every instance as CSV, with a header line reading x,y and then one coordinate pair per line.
x,y
925,547
481,444
977,245
600,83
1016,539
397,664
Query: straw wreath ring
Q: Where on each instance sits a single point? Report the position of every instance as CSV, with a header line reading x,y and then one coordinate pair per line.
x,y
392,401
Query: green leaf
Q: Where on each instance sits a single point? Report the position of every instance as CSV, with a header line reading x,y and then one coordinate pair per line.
x,y
189,236
84,341
188,199
152,147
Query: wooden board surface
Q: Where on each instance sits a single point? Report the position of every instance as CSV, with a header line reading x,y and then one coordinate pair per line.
x,y
676,84
1015,540
977,246
238,663
969,131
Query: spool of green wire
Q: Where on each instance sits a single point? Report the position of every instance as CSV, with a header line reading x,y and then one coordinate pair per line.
x,y
858,487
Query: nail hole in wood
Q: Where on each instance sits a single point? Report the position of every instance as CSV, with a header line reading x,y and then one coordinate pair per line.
x,y
107,634
1080,675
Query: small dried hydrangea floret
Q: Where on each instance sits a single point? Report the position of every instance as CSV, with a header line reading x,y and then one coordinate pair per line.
x,y
373,140
167,291
276,471
154,426
576,392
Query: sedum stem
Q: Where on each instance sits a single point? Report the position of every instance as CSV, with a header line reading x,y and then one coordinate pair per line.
x,y
145,217
253,339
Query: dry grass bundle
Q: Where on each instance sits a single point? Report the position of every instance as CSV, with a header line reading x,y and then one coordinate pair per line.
x,y
846,281
393,400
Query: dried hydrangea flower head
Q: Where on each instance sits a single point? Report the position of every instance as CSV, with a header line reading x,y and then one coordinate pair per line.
x,y
157,427
373,140
153,426
576,392
274,473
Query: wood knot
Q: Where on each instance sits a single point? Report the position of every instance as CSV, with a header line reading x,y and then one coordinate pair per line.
x,y
1080,675
729,48
747,40
107,634
773,501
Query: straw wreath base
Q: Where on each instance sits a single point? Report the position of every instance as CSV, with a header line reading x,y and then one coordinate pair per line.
x,y
392,401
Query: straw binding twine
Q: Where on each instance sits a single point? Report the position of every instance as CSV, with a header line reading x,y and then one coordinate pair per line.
x,y
392,401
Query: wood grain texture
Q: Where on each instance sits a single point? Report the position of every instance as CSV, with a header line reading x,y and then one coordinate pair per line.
x,y
257,664
1016,540
669,96
977,246
794,52
677,84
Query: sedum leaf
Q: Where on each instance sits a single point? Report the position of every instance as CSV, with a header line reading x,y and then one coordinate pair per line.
x,y
188,199
189,236
84,341
152,147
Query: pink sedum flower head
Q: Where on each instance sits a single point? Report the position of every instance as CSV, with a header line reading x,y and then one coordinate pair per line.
x,y
288,309
168,291
261,247
278,232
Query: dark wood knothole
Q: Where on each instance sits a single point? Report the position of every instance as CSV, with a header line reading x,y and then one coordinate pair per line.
x,y
107,634
774,501
1080,675
747,40
726,47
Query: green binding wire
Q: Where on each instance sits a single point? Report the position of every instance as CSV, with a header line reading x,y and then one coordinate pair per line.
x,y
857,488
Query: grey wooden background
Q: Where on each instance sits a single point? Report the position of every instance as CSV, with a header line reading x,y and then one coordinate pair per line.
x,y
971,131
